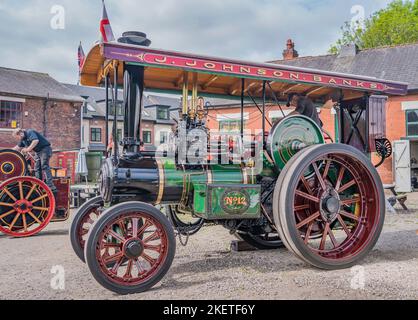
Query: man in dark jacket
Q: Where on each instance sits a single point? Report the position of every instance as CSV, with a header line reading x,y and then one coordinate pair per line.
x,y
31,140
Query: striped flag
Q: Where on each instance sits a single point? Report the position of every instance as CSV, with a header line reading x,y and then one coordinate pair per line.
x,y
105,28
81,57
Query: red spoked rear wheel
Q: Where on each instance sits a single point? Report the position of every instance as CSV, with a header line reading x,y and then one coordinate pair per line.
x,y
130,248
330,206
27,206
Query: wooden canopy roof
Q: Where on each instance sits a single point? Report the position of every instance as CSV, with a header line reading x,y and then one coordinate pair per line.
x,y
165,71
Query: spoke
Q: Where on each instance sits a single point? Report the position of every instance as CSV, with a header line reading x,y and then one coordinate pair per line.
x,y
302,207
21,190
346,186
333,240
308,232
154,236
9,194
340,179
128,273
40,198
113,258
34,217
307,196
40,208
308,220
307,186
326,171
350,201
349,215
324,237
135,227
4,204
14,222
147,258
25,225
117,265
141,270
123,229
319,176
31,191
108,245
155,248
146,225
7,214
116,236
342,223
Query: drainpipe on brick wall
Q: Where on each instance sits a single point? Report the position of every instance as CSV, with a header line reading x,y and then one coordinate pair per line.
x,y
44,113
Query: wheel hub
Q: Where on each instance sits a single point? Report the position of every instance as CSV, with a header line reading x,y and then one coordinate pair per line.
x,y
330,205
23,206
7,168
133,248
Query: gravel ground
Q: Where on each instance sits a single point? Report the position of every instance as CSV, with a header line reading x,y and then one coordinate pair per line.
x,y
207,269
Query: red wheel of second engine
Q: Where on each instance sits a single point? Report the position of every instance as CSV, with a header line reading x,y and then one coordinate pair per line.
x,y
27,206
12,164
333,209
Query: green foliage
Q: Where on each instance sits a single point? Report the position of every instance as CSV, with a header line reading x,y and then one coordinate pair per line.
x,y
395,25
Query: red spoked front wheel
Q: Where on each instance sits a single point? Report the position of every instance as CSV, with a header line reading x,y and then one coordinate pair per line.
x,y
329,206
27,206
130,248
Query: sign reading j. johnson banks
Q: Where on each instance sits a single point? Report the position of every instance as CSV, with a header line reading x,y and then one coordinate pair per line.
x,y
152,57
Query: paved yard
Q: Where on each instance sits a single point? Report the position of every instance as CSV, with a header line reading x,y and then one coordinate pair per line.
x,y
206,269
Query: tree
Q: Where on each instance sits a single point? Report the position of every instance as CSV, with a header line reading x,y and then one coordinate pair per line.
x,y
395,25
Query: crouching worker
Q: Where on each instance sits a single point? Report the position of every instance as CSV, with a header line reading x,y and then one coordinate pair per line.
x,y
31,140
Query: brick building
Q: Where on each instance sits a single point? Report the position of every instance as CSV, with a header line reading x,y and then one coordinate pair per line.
x,y
35,100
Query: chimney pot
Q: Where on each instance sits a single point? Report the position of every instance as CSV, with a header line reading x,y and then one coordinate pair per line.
x,y
290,53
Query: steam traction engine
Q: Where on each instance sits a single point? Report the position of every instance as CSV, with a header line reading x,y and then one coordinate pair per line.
x,y
324,202
27,205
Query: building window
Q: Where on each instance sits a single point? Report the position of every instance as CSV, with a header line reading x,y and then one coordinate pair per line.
x,y
163,113
119,109
96,135
146,136
10,114
412,123
230,125
163,137
119,135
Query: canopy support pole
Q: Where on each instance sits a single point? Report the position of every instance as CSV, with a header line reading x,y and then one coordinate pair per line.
x,y
242,107
185,94
115,116
264,115
107,114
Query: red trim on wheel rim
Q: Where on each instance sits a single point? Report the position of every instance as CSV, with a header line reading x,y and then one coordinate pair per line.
x,y
27,206
337,210
131,248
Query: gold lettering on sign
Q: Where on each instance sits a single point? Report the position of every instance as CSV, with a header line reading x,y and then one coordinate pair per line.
x,y
228,67
373,86
245,70
209,65
294,75
360,84
262,72
278,74
317,78
191,64
347,83
332,81
161,60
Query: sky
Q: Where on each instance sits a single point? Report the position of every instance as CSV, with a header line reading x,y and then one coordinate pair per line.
x,y
43,35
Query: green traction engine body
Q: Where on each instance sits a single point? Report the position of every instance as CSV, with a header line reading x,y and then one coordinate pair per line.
x,y
211,192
